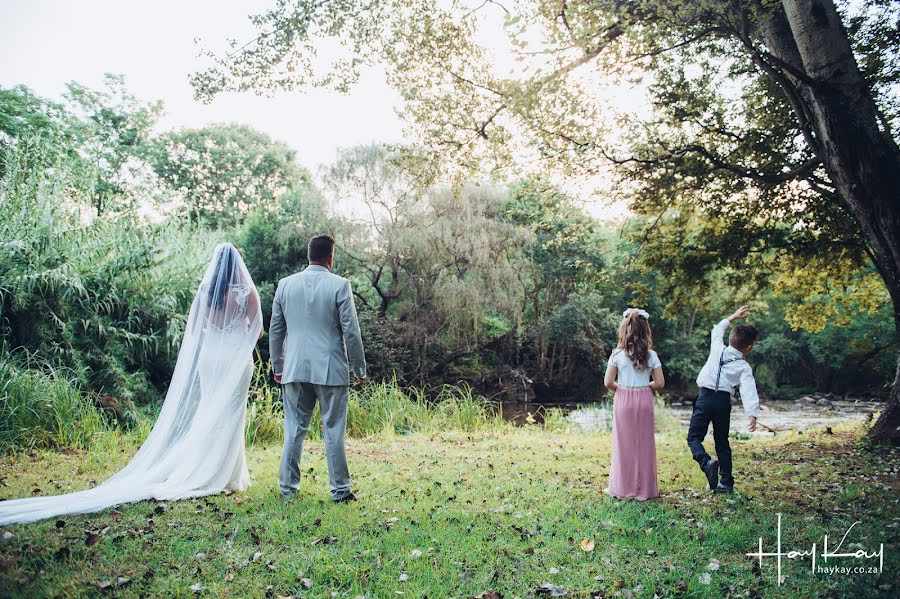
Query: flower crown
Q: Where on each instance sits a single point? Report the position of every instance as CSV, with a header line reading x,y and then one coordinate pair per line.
x,y
631,311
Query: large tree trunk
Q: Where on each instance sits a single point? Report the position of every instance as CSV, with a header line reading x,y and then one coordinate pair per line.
x,y
814,64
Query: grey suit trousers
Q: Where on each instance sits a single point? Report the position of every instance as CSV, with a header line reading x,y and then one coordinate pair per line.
x,y
299,401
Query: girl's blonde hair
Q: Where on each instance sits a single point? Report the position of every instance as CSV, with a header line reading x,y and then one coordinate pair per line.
x,y
635,339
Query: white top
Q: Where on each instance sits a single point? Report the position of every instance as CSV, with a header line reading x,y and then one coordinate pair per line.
x,y
736,372
628,375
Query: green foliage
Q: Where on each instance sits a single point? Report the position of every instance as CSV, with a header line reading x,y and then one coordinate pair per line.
x,y
377,409
40,409
715,145
113,133
23,116
500,289
106,300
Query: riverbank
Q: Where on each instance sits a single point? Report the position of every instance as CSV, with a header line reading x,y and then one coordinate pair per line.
x,y
464,513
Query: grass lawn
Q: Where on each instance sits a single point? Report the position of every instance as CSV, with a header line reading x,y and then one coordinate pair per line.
x,y
460,514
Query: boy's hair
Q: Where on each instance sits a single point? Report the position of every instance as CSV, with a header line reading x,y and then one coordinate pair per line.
x,y
636,340
320,248
743,336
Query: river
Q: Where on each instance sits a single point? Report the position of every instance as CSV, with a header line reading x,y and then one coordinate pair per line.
x,y
773,416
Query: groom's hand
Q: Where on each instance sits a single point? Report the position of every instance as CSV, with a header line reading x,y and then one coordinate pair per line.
x,y
751,425
358,381
278,379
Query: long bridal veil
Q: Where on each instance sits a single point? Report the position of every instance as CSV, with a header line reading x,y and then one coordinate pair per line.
x,y
196,446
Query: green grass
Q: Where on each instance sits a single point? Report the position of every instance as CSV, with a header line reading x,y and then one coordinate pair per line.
x,y
455,514
377,408
45,410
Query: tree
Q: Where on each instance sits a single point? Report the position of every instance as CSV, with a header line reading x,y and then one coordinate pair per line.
x,y
26,118
386,186
824,83
566,314
224,170
114,131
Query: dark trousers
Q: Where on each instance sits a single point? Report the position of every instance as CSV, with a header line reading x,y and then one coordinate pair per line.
x,y
715,407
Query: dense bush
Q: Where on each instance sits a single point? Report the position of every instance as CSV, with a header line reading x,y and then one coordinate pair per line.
x,y
106,299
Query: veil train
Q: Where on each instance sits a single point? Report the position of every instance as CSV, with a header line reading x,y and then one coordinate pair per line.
x,y
196,446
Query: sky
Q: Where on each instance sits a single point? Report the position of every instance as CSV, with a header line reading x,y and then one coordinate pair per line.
x,y
44,44
156,45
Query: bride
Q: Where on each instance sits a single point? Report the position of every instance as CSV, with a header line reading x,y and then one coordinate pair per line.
x,y
196,446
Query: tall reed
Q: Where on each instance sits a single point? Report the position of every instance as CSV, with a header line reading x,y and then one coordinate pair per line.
x,y
382,408
40,409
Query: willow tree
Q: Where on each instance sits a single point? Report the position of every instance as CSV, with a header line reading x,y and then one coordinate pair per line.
x,y
774,119
388,185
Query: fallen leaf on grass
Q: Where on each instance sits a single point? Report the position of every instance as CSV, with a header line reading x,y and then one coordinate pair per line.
x,y
587,545
550,590
91,539
329,540
196,587
404,577
705,578
713,565
306,582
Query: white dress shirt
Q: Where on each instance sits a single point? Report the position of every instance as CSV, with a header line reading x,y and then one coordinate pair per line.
x,y
627,375
736,372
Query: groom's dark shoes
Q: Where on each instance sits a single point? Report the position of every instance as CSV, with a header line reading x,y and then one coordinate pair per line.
x,y
712,474
721,488
346,498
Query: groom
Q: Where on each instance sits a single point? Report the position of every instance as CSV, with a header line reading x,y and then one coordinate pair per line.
x,y
313,329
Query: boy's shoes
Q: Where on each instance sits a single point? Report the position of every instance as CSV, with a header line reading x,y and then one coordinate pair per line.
x,y
720,488
712,473
346,498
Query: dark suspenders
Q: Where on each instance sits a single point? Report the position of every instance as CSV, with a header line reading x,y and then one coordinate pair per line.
x,y
723,362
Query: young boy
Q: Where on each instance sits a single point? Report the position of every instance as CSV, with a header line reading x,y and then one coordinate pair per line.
x,y
724,370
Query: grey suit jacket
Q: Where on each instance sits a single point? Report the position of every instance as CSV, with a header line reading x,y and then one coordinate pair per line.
x,y
314,328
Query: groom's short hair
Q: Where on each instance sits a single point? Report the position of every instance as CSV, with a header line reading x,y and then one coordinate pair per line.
x,y
320,248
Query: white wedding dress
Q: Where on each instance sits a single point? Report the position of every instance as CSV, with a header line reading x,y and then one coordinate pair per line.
x,y
196,446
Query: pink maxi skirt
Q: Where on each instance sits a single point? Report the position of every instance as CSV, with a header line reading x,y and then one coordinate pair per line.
x,y
633,471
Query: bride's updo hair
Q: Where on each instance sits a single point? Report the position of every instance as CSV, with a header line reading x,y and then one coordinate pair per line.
x,y
635,339
223,277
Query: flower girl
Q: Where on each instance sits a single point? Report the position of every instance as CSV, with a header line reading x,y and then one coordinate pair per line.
x,y
634,372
